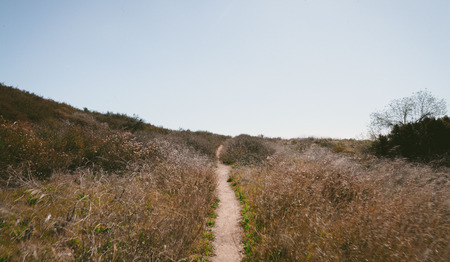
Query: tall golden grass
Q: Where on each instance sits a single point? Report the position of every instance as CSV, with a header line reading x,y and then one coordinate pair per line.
x,y
324,206
152,211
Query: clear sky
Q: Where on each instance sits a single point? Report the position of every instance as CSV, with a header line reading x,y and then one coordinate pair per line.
x,y
278,68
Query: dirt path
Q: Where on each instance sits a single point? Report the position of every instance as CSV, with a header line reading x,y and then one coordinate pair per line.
x,y
227,230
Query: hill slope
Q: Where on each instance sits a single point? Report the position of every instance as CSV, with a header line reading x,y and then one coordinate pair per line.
x,y
82,185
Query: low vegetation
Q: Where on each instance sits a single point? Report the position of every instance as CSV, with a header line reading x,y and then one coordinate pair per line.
x,y
318,205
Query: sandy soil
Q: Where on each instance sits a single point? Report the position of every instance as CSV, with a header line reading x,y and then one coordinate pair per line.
x,y
227,230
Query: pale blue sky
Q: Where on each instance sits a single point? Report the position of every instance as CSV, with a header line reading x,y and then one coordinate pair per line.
x,y
278,68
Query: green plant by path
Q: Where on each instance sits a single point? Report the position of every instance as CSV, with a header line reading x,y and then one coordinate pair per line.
x,y
250,237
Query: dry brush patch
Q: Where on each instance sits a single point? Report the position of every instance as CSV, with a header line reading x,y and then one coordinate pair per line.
x,y
153,211
324,206
246,150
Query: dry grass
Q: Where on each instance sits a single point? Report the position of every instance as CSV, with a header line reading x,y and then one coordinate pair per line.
x,y
153,211
325,206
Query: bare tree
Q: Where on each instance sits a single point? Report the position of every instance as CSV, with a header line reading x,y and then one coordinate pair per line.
x,y
406,110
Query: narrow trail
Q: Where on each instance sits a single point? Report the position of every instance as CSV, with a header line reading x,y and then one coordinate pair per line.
x,y
227,230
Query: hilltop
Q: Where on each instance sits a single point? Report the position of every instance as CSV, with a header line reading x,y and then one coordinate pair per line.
x,y
19,105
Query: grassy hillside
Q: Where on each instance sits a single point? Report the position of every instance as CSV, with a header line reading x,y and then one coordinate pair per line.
x,y
81,185
330,200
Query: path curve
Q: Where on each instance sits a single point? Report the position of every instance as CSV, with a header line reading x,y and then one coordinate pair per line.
x,y
227,230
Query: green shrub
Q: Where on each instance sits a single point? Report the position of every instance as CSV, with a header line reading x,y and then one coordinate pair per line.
x,y
245,150
424,140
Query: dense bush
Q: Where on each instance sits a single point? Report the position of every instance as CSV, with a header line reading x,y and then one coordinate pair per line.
x,y
245,150
426,139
